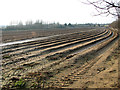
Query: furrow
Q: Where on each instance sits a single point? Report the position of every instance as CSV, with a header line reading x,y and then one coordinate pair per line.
x,y
44,40
70,49
68,43
75,74
57,47
44,43
40,41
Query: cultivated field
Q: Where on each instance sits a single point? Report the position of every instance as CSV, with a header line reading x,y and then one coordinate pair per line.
x,y
76,59
15,35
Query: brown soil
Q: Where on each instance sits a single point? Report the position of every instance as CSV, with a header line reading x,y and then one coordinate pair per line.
x,y
15,35
58,62
103,74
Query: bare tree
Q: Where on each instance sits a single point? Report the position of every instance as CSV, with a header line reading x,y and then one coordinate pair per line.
x,y
108,7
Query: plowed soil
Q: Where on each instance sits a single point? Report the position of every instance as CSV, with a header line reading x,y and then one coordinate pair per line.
x,y
78,59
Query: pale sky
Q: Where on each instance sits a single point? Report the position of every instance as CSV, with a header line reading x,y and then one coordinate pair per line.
x,y
62,11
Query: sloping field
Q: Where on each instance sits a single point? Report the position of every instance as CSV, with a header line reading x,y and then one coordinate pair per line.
x,y
59,61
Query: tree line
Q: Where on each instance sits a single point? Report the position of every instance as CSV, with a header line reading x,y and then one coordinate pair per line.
x,y
41,25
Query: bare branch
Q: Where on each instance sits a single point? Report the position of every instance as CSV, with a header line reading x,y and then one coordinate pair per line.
x,y
105,7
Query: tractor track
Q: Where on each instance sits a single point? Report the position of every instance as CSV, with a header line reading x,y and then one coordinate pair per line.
x,y
55,54
44,42
78,70
53,49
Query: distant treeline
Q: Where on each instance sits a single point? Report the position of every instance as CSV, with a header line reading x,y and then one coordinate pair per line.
x,y
40,25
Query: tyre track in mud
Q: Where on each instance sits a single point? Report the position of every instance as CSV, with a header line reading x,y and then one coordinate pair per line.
x,y
13,61
32,56
79,70
45,39
53,49
41,59
44,42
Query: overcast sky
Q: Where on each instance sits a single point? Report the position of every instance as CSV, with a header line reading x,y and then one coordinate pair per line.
x,y
62,11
